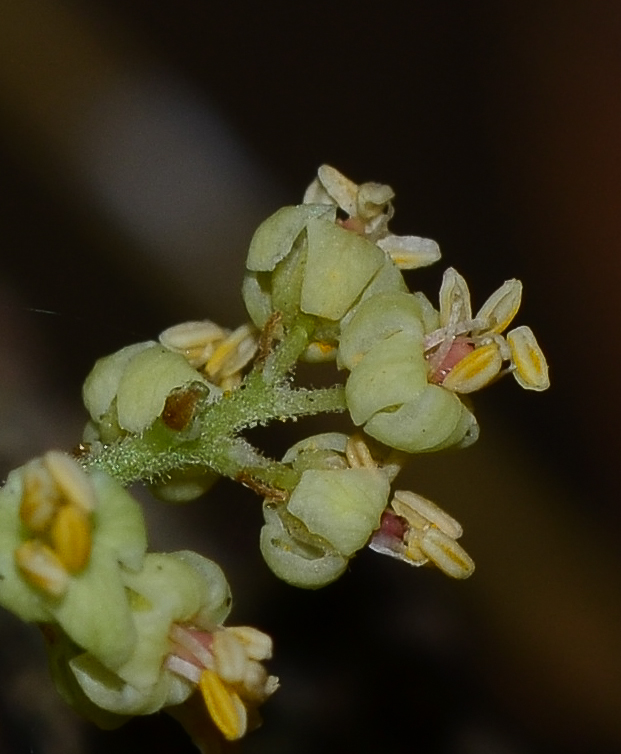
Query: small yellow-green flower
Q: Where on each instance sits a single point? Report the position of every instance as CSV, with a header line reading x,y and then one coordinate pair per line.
x,y
331,513
66,539
178,602
388,390
369,209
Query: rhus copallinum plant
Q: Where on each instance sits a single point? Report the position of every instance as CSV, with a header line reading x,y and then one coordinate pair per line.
x,y
129,631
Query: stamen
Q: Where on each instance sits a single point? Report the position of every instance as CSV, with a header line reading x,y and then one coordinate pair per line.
x,y
70,534
75,485
230,656
358,453
189,639
446,553
40,497
258,645
224,705
183,668
42,567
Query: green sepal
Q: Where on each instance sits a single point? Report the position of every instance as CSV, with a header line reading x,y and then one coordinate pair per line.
x,y
102,382
392,373
343,506
275,237
427,423
294,555
376,319
149,378
339,265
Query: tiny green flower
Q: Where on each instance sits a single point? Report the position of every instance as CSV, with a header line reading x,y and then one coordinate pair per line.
x,y
388,390
127,391
66,538
331,513
178,602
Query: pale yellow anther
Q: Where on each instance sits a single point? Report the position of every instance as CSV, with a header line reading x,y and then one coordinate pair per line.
x,y
224,705
413,552
410,252
195,340
40,497
73,482
318,352
371,199
233,353
531,368
501,307
455,303
337,186
254,681
257,644
415,508
446,553
476,370
229,655
71,537
358,454
42,567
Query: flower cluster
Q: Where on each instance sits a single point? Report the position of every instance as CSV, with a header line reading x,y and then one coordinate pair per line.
x,y
129,631
408,364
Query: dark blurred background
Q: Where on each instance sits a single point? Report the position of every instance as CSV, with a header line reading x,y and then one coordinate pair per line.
x,y
141,144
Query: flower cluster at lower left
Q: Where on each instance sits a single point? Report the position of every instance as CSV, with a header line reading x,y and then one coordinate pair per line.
x,y
128,632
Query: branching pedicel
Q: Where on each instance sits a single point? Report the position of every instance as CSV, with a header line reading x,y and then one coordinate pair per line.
x,y
130,632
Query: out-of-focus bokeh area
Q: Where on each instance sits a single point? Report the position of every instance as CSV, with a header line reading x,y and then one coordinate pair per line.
x,y
141,144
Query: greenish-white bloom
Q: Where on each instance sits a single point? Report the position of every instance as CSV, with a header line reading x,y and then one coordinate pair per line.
x,y
302,262
49,510
330,515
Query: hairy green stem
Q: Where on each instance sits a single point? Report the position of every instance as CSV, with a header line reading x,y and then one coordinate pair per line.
x,y
213,442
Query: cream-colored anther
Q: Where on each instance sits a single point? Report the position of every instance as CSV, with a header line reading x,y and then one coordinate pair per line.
x,y
258,645
371,199
224,705
40,497
415,507
195,340
455,303
531,368
233,353
254,681
358,453
229,655
42,567
501,307
71,537
71,479
410,252
446,553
